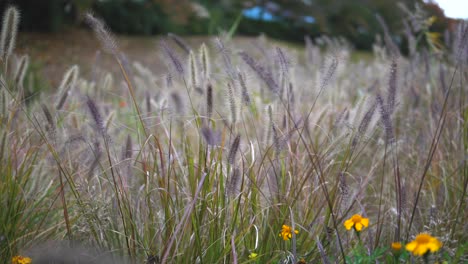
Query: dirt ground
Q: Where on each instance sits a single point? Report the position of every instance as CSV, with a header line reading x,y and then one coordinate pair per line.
x,y
53,54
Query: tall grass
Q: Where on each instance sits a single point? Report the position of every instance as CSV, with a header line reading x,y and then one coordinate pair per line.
x,y
260,136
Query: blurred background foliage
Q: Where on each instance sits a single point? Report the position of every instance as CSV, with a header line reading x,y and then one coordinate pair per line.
x,y
288,20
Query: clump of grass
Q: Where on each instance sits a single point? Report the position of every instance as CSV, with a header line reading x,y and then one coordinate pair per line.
x,y
220,183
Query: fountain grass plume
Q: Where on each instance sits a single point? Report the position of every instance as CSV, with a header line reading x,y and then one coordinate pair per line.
x,y
96,115
283,61
386,120
50,127
226,57
148,101
261,71
21,70
211,137
180,42
232,103
103,34
178,103
193,70
362,128
205,61
173,58
245,92
127,153
209,100
9,32
69,78
392,86
68,82
232,186
233,150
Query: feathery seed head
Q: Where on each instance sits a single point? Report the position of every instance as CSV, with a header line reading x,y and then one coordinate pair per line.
x,y
93,109
386,120
232,103
21,70
245,92
263,73
233,150
10,25
69,78
232,188
193,70
211,137
180,42
173,57
205,61
392,86
102,33
209,100
68,82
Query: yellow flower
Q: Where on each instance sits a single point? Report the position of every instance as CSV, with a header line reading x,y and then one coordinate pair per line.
x,y
396,246
253,255
356,221
422,244
301,261
20,260
286,232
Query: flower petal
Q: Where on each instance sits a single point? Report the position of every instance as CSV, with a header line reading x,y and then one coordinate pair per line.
x,y
434,245
365,222
421,249
348,224
411,246
358,226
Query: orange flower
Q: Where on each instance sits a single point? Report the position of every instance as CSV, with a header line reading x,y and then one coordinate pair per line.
x,y
422,244
286,232
356,221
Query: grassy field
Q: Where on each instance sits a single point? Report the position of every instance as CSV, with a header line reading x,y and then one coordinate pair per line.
x,y
233,151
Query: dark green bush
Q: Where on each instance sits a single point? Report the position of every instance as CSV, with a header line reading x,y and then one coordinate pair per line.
x,y
278,29
47,16
357,23
131,17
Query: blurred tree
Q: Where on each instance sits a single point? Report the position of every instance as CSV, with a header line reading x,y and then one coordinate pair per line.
x,y
441,22
292,18
47,15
